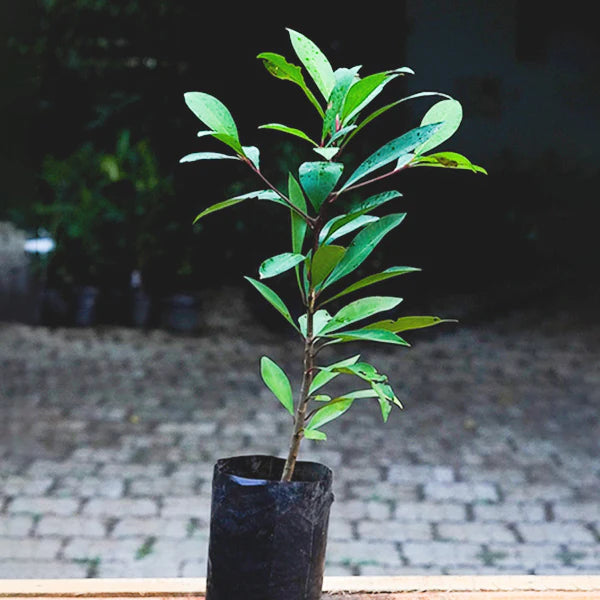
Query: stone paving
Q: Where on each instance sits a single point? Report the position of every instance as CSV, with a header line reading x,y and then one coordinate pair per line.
x,y
108,437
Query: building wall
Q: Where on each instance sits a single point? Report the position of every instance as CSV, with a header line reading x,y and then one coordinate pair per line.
x,y
528,79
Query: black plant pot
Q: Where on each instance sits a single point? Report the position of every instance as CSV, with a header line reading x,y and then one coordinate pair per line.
x,y
267,538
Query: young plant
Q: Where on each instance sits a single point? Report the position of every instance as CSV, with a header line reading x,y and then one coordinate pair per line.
x,y
318,253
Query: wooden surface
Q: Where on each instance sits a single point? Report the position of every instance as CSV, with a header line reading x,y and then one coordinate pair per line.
x,y
518,587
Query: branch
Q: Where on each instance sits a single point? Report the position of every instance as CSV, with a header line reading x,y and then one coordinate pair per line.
x,y
309,220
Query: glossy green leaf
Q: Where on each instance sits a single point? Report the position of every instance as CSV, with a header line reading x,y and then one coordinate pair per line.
x,y
314,61
386,409
258,195
387,107
313,434
279,264
289,130
320,319
392,151
327,153
364,206
363,244
218,206
324,261
253,154
277,381
344,78
408,323
326,374
447,112
363,370
231,141
273,298
340,134
448,160
371,279
206,156
353,224
279,67
318,180
333,410
358,394
299,225
360,309
212,112
364,91
368,335
358,95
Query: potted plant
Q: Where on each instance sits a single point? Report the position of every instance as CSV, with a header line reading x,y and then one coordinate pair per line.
x,y
105,215
269,515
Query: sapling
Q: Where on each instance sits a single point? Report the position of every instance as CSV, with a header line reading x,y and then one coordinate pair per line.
x,y
319,254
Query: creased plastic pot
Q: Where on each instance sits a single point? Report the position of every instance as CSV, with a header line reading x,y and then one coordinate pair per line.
x,y
267,538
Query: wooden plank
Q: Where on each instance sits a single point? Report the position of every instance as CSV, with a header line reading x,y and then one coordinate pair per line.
x,y
515,587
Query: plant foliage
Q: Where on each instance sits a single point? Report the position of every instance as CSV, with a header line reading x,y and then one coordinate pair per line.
x,y
343,100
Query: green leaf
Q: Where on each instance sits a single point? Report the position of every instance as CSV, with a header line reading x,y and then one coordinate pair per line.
x,y
394,150
259,195
358,394
408,323
212,112
279,264
326,374
358,95
371,279
368,335
344,78
363,244
296,197
313,434
387,107
299,226
318,179
372,202
272,297
217,207
320,319
253,154
327,153
354,223
333,410
290,130
449,114
276,380
364,91
363,370
279,67
205,156
340,134
314,61
324,261
360,309
231,141
448,160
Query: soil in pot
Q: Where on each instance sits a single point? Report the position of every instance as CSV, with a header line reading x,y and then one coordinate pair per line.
x,y
267,538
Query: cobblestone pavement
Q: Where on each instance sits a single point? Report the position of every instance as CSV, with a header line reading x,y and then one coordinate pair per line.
x,y
108,437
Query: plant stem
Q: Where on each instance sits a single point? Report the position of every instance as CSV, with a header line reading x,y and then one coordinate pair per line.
x,y
308,362
309,220
299,419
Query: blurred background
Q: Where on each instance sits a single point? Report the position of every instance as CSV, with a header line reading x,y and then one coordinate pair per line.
x,y
94,124
111,420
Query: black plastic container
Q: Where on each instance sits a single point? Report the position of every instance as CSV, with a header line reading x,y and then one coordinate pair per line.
x,y
267,538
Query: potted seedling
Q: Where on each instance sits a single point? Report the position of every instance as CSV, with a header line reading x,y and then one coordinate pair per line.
x,y
269,515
